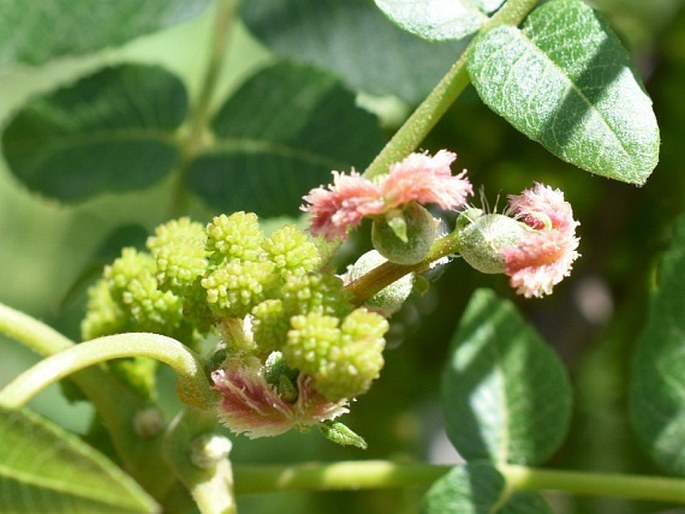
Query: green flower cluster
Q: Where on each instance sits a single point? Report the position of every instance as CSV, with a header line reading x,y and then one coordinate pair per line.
x,y
263,294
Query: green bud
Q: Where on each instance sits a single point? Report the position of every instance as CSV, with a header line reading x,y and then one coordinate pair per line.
x,y
237,236
148,422
178,248
404,236
291,250
341,434
207,450
235,287
390,299
483,236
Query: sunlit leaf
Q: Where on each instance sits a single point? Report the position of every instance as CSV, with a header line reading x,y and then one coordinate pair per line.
x,y
45,469
565,81
657,394
111,131
355,41
36,31
438,20
280,135
478,489
506,396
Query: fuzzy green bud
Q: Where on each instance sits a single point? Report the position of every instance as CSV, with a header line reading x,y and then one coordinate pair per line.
x,y
291,250
404,236
269,325
322,293
133,285
344,358
237,236
104,316
482,236
235,287
341,434
178,248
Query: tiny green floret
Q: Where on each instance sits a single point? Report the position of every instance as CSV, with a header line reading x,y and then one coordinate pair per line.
x,y
178,248
343,356
237,236
292,251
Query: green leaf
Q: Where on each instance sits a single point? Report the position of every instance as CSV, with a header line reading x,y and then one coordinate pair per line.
x,y
111,131
355,41
46,469
478,489
280,135
35,32
439,20
657,393
506,396
565,81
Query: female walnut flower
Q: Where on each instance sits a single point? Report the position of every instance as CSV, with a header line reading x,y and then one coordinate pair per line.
x,y
544,256
534,244
252,406
418,178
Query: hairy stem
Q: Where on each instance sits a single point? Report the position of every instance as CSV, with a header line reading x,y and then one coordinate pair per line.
x,y
375,474
428,113
378,278
34,334
193,386
370,474
522,478
115,403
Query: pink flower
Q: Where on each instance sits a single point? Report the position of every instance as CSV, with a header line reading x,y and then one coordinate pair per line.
x,y
426,179
343,204
419,177
544,256
250,405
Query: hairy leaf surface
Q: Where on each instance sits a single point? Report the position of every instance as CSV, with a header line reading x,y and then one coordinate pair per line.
x,y
565,81
36,31
355,41
657,395
111,131
439,20
478,489
506,396
46,469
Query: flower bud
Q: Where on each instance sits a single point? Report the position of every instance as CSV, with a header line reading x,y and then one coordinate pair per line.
x,y
148,422
484,235
389,299
208,450
404,236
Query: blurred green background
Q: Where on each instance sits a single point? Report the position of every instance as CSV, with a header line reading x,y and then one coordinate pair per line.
x,y
592,319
